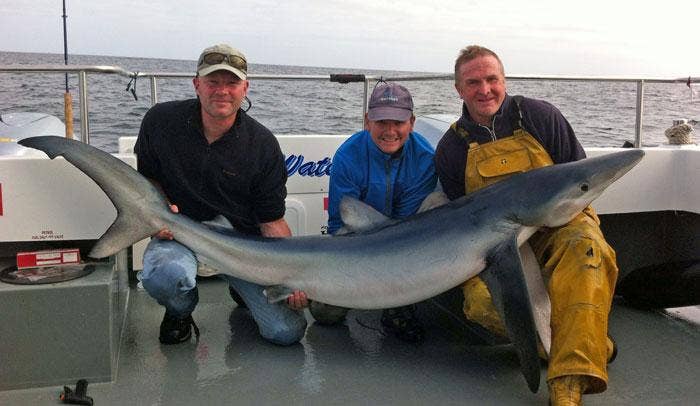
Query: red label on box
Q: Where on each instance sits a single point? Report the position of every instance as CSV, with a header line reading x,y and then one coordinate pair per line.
x,y
48,258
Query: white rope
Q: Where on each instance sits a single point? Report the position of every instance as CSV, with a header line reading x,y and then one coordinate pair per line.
x,y
680,134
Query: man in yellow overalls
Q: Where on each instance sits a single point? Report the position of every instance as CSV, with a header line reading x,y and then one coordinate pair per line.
x,y
499,135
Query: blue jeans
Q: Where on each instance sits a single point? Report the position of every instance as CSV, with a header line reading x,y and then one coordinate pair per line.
x,y
169,271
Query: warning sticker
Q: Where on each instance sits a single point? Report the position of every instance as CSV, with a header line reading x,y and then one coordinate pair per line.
x,y
51,257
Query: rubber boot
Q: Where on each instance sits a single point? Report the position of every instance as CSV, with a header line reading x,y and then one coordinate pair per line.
x,y
567,390
478,307
403,324
611,349
326,314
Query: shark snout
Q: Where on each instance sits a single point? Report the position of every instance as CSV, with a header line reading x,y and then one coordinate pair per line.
x,y
608,168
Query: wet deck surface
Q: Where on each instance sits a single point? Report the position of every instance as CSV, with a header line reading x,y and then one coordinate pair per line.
x,y
659,363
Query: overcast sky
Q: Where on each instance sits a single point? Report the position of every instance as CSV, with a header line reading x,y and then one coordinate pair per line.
x,y
591,37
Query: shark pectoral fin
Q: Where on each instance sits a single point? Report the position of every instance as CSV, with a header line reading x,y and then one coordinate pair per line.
x,y
539,298
277,293
125,231
506,282
358,216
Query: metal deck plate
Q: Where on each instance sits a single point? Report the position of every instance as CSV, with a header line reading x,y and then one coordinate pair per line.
x,y
47,274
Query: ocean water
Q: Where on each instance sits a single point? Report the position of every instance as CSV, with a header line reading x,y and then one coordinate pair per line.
x,y
601,113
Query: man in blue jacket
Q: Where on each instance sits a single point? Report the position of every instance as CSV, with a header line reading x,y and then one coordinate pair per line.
x,y
389,167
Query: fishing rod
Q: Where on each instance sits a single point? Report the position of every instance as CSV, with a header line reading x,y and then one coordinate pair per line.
x,y
67,98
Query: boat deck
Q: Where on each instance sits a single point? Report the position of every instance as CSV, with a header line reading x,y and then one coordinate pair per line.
x,y
658,363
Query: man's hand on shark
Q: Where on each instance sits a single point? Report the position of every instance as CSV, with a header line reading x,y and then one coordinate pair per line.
x,y
166,234
297,300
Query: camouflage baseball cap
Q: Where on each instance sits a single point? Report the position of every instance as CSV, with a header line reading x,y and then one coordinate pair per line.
x,y
222,57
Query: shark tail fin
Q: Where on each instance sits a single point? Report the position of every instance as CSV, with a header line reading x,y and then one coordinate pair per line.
x,y
137,201
122,233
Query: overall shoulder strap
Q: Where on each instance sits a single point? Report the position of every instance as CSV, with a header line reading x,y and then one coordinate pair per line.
x,y
518,99
461,132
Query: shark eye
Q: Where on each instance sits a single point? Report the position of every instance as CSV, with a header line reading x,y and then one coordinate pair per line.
x,y
584,187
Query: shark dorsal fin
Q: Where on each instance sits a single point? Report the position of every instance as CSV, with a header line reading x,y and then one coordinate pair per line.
x,y
433,200
358,216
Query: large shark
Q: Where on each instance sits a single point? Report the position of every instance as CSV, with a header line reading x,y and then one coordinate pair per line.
x,y
392,264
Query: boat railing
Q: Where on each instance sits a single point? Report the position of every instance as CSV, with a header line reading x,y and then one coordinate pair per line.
x,y
83,70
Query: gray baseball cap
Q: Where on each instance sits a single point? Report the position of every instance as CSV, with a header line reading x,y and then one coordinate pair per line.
x,y
390,101
222,57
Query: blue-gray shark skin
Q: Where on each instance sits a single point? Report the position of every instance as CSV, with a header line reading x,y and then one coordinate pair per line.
x,y
396,264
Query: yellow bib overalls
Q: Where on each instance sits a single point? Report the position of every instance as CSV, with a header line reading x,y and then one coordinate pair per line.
x,y
578,266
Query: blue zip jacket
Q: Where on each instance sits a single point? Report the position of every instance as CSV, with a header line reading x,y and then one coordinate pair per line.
x,y
393,185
